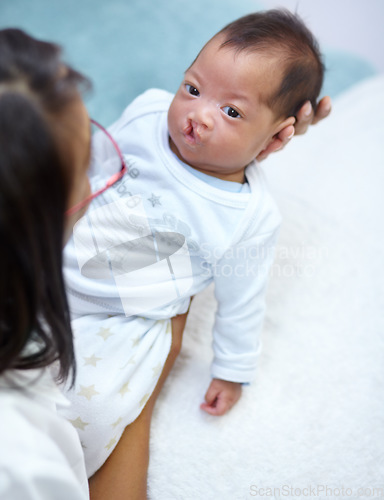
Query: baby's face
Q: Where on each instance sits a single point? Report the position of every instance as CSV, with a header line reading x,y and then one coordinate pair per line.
x,y
218,122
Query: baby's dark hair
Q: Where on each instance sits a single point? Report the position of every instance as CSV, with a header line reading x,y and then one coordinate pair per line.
x,y
280,33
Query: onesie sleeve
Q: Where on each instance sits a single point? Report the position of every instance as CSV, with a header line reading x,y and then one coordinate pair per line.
x,y
241,278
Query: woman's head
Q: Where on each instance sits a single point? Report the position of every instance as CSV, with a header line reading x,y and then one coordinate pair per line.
x,y
44,154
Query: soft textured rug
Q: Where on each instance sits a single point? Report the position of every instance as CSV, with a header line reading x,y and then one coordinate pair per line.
x,y
312,423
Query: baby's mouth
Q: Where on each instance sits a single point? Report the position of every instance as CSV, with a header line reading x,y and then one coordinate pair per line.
x,y
190,134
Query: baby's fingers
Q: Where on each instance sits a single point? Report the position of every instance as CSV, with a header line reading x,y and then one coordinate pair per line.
x,y
221,396
217,408
211,395
212,403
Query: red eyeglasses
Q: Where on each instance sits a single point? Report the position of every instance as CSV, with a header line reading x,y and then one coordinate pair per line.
x,y
115,165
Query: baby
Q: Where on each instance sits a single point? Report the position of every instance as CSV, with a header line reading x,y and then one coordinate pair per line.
x,y
193,209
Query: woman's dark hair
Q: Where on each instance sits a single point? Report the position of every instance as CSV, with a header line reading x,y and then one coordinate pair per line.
x,y
283,35
35,182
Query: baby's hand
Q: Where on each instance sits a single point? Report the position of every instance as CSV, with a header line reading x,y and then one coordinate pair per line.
x,y
221,396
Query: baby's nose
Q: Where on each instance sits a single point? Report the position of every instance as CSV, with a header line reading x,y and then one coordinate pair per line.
x,y
203,116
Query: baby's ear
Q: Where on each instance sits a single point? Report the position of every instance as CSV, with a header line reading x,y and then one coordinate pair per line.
x,y
277,140
281,125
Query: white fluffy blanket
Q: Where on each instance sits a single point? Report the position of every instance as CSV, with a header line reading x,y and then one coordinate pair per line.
x,y
312,424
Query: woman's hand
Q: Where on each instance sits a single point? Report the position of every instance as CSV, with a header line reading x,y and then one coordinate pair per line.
x,y
305,117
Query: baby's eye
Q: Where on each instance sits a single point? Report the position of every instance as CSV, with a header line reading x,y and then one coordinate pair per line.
x,y
192,90
231,112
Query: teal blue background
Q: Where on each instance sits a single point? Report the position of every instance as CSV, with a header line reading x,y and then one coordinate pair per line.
x,y
128,46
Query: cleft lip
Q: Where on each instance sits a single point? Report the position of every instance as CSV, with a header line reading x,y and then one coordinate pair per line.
x,y
188,129
190,133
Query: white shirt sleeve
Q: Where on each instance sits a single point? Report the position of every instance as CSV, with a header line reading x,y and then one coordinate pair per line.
x,y
39,480
40,452
241,277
